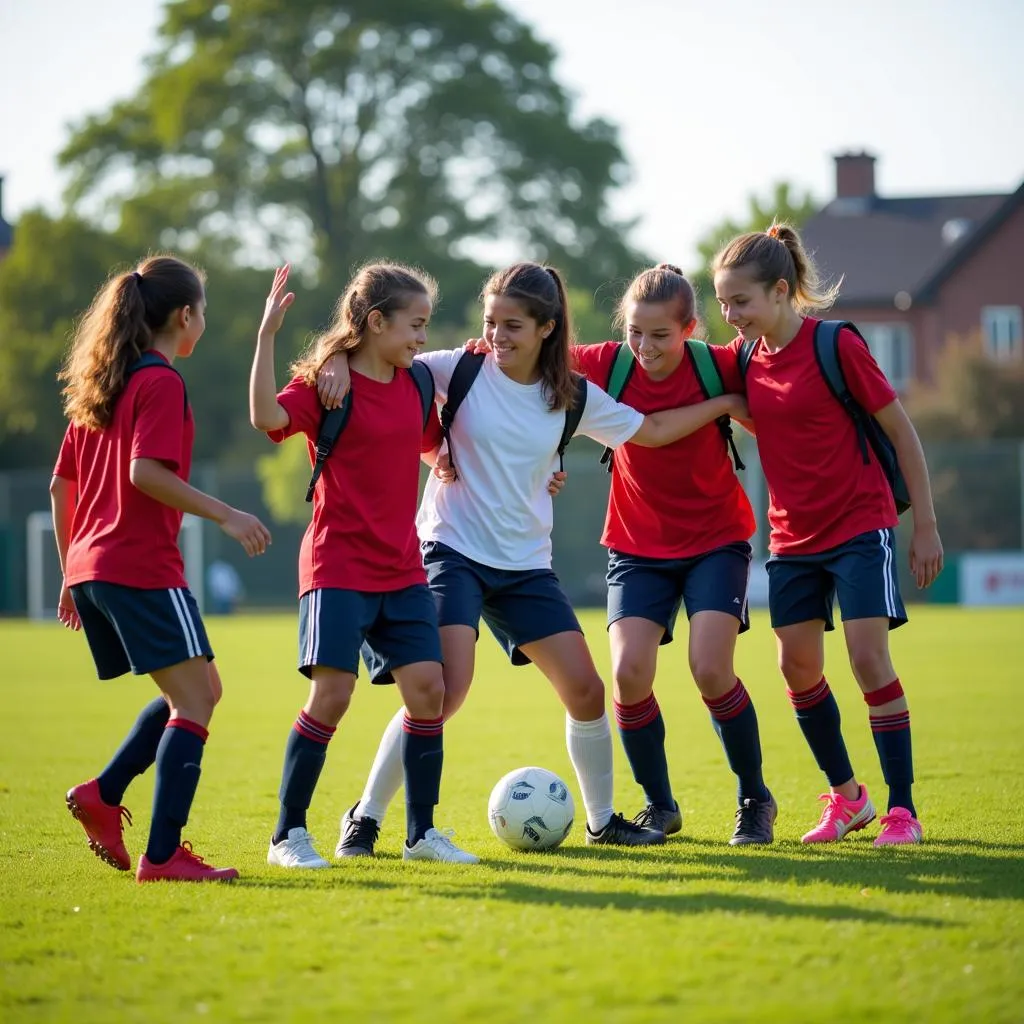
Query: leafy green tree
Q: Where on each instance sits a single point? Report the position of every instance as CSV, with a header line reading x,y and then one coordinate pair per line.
x,y
337,132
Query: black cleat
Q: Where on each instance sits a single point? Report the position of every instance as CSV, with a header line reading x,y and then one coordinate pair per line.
x,y
620,832
660,819
755,822
358,835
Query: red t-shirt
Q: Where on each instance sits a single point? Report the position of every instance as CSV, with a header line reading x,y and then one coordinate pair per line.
x,y
679,500
821,492
363,532
118,534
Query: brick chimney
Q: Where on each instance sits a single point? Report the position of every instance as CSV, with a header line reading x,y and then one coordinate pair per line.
x,y
855,176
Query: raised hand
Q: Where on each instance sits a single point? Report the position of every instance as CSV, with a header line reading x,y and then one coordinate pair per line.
x,y
278,302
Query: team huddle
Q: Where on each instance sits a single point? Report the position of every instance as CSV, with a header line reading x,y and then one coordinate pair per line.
x,y
404,587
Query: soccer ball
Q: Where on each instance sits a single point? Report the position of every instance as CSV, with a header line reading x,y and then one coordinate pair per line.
x,y
531,809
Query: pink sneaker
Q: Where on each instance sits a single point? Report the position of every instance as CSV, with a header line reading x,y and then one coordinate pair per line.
x,y
103,823
899,826
841,816
184,866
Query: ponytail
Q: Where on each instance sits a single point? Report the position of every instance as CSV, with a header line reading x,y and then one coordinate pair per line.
x,y
779,255
663,283
116,329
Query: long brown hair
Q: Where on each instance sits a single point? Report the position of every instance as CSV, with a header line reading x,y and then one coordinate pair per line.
x,y
663,283
117,328
778,255
387,287
541,292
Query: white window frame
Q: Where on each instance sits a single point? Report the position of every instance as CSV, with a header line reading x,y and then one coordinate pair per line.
x,y
892,345
1003,329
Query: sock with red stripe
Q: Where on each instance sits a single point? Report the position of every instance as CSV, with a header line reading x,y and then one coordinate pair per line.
x,y
643,738
818,716
136,753
423,757
735,720
891,733
304,759
178,758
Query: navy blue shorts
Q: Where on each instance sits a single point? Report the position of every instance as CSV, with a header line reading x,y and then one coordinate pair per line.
x,y
654,588
862,572
520,606
139,631
392,629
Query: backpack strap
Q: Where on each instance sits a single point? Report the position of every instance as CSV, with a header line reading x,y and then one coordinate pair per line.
x,y
332,423
465,372
746,355
711,384
150,360
619,374
826,353
424,381
573,415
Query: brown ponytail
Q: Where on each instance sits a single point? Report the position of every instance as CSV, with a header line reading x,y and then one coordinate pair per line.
x,y
663,283
778,255
116,329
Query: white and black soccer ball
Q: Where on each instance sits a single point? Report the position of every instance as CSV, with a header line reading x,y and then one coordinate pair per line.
x,y
531,809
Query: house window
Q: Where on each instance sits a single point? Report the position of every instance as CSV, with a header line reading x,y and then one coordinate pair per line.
x,y
1002,328
892,346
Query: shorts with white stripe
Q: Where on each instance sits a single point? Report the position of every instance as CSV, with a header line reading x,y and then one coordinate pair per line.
x,y
861,573
139,631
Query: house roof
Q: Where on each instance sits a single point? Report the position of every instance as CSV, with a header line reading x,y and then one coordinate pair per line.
x,y
882,246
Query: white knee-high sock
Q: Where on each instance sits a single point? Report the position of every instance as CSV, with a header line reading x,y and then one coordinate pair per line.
x,y
387,773
590,750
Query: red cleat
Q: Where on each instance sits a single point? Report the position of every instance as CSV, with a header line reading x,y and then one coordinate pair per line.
x,y
184,866
103,824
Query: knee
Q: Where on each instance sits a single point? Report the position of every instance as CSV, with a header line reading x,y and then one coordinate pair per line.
x,y
216,687
713,675
634,679
584,698
199,706
424,696
800,669
330,701
871,666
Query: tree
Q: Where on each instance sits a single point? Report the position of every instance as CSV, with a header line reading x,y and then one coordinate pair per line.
x,y
336,132
783,204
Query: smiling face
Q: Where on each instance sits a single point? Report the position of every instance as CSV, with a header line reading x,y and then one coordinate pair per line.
x,y
514,336
400,337
191,322
656,336
753,309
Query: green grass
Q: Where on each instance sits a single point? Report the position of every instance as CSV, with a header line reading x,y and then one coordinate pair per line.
x,y
693,930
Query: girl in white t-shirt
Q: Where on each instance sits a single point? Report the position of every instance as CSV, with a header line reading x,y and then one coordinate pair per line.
x,y
486,537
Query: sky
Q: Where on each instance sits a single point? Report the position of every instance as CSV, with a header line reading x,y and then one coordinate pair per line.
x,y
715,99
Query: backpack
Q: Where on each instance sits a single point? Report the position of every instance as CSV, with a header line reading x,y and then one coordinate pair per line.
x,y
465,372
870,435
710,380
334,421
150,359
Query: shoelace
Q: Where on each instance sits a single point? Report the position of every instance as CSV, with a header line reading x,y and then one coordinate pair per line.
x,y
186,847
645,817
746,816
617,821
365,828
896,822
833,808
304,846
444,838
126,816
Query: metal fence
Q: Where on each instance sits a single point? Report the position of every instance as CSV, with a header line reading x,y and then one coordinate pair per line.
x,y
979,497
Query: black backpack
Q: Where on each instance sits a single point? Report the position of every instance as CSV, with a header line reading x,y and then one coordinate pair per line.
x,y
465,372
333,421
150,360
708,376
870,435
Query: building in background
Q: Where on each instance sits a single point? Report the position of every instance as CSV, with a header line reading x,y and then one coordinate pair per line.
x,y
918,270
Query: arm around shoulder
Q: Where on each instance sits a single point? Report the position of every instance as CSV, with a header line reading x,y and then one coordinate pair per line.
x,y
661,428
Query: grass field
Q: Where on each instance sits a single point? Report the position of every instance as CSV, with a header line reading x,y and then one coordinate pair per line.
x,y
694,930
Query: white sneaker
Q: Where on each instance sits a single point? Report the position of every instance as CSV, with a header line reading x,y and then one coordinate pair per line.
x,y
295,852
438,845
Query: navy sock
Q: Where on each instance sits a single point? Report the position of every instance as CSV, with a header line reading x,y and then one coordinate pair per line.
x,y
422,757
136,753
891,733
643,738
735,720
304,759
818,715
177,775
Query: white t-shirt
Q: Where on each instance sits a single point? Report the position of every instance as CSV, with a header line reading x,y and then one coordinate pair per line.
x,y
505,439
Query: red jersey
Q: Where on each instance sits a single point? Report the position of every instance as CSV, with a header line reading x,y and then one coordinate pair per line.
x,y
821,492
682,499
118,534
363,532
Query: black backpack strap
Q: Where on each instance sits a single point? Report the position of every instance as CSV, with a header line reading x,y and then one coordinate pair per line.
x,y
424,381
826,353
332,423
746,355
465,372
619,375
573,415
150,360
712,386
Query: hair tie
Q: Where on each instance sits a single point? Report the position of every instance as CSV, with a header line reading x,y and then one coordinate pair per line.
x,y
138,277
773,231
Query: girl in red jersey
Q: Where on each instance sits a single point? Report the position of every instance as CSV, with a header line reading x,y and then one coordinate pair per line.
x,y
677,530
118,492
361,580
832,516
